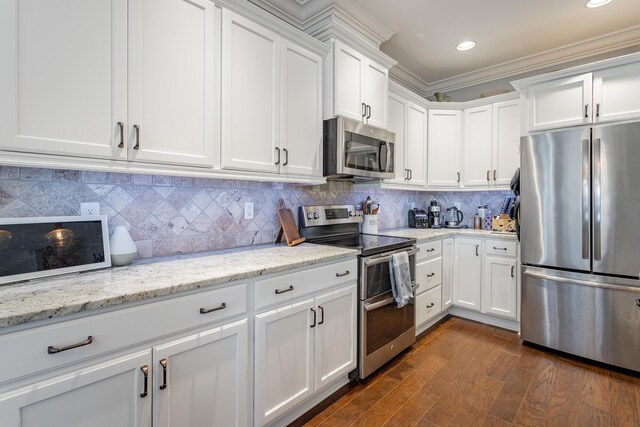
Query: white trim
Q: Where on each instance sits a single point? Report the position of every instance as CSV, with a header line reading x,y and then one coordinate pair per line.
x,y
488,319
65,270
420,329
8,158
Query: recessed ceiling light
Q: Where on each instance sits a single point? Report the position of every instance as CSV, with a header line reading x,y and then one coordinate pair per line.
x,y
466,45
597,3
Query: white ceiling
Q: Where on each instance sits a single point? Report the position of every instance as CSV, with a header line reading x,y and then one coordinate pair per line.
x,y
513,37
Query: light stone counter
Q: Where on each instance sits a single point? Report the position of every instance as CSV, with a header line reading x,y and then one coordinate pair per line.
x,y
425,234
52,297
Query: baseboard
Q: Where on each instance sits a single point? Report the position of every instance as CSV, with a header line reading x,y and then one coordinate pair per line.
x,y
425,328
511,325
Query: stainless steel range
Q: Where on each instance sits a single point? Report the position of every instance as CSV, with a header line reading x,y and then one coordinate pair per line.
x,y
384,330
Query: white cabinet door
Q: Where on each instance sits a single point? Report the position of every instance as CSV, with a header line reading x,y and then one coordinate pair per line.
x,y
447,273
467,273
478,138
499,287
301,111
416,145
284,359
201,379
443,155
613,89
171,86
348,76
335,335
250,96
428,305
63,77
376,80
106,394
560,103
506,141
397,124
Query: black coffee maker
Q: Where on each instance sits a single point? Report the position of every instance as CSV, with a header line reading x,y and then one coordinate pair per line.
x,y
435,215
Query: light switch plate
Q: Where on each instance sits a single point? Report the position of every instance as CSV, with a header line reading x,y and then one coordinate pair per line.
x,y
248,210
89,209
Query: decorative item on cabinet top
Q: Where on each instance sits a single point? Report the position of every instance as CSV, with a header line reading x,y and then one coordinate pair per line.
x,y
31,248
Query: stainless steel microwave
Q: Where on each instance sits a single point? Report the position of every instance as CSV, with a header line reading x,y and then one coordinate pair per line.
x,y
354,150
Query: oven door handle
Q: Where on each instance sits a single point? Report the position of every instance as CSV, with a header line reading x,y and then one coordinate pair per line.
x,y
369,307
386,258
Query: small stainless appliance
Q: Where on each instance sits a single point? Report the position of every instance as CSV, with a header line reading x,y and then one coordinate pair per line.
x,y
418,218
580,279
384,329
356,151
435,215
455,218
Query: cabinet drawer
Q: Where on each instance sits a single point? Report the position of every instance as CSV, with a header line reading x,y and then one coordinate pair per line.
x,y
288,287
501,247
429,250
428,305
30,349
428,274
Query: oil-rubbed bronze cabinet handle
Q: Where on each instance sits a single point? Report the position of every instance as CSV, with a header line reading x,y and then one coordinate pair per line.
x,y
145,372
598,110
55,349
495,173
431,274
488,176
364,109
368,111
282,291
431,249
346,273
638,302
278,151
499,249
477,247
163,363
430,305
121,126
286,157
322,313
586,111
315,317
210,310
513,267
458,176
137,129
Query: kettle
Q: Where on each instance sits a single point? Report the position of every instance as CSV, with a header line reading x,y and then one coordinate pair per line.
x,y
454,218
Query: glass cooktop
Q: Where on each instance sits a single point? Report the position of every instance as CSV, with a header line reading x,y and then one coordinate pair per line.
x,y
368,244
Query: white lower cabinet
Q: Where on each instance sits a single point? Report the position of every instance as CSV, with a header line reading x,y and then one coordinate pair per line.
x,y
499,281
428,305
201,379
302,347
467,273
112,393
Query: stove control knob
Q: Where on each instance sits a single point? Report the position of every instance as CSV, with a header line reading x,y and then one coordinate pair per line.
x,y
315,215
309,215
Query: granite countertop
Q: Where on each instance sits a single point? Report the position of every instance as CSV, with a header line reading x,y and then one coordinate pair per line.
x,y
426,234
53,297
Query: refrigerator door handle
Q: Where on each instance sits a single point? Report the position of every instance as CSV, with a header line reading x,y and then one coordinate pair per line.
x,y
542,276
597,201
586,196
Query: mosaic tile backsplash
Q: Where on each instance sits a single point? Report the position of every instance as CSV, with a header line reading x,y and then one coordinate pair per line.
x,y
172,215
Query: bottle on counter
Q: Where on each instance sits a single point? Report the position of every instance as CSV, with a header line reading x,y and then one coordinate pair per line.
x,y
477,223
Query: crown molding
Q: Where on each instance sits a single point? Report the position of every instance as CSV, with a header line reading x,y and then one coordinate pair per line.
x,y
573,52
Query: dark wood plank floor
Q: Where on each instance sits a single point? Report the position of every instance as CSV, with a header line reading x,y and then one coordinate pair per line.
x,y
469,374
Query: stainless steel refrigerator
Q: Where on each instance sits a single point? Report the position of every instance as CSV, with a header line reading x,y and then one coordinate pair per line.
x,y
580,241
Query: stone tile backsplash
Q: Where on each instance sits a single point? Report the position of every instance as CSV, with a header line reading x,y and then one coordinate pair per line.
x,y
171,215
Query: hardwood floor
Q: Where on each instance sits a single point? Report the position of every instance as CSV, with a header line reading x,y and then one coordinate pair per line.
x,y
469,374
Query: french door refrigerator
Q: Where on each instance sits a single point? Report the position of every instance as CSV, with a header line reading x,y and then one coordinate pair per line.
x,y
580,242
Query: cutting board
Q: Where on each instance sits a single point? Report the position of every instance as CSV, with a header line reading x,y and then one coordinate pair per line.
x,y
288,226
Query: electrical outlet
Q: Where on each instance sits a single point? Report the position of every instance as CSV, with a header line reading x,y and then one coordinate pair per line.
x,y
248,210
457,205
89,208
413,205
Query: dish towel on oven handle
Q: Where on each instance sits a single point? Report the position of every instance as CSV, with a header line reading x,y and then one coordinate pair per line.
x,y
400,278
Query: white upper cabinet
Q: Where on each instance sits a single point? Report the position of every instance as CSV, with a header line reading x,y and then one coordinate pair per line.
x,y
616,92
506,141
416,145
560,103
301,111
271,101
357,87
443,148
63,77
491,144
397,125
478,140
250,96
172,81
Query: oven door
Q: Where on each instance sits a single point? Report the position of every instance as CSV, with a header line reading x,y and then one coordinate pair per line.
x,y
386,330
375,274
366,151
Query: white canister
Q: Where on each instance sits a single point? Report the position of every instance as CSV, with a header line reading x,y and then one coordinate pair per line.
x,y
123,248
370,224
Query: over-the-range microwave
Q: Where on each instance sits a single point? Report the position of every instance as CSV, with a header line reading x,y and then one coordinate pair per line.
x,y
356,151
